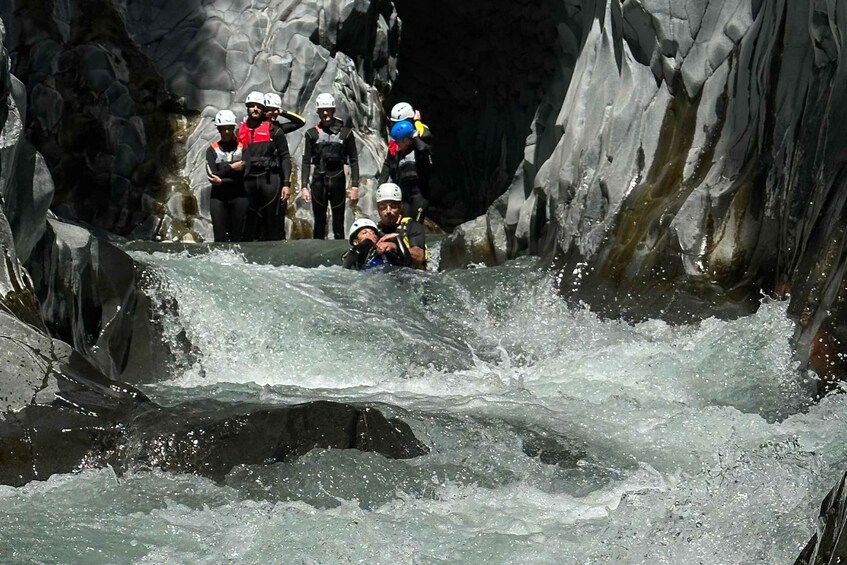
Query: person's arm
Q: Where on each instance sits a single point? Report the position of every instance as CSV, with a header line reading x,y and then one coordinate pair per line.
x,y
284,157
352,157
385,172
295,121
417,243
217,173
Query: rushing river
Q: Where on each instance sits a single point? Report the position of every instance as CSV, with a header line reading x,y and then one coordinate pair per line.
x,y
555,436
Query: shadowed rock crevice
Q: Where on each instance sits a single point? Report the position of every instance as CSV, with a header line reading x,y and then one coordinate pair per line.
x,y
478,72
98,112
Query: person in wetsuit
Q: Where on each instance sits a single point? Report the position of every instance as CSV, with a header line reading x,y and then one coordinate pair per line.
x,y
362,255
403,239
328,146
225,171
267,173
408,165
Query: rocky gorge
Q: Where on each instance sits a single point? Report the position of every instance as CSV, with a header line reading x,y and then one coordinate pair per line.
x,y
667,160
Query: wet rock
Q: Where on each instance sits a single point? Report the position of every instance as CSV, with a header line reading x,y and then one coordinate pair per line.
x,y
208,440
828,545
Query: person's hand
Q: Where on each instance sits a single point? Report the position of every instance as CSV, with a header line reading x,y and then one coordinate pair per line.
x,y
215,180
237,165
417,116
386,243
285,192
353,194
305,194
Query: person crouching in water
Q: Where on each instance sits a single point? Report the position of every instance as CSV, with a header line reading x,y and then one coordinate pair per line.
x,y
328,146
403,239
225,170
363,236
267,174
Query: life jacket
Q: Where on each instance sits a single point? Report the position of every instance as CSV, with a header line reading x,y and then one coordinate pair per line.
x,y
405,244
248,135
330,153
222,156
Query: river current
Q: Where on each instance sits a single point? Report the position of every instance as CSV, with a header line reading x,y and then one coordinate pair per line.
x,y
556,436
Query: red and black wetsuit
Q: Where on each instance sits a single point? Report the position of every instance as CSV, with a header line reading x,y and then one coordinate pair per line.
x,y
268,169
327,149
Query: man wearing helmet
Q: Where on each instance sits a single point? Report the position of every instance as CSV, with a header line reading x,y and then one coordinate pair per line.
x,y
273,111
267,174
408,164
225,170
404,239
328,146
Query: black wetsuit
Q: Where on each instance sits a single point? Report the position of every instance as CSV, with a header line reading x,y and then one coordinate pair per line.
x,y
411,234
363,256
327,149
293,121
229,201
410,169
268,169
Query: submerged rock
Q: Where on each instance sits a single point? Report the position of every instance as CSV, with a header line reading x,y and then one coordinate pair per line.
x,y
209,440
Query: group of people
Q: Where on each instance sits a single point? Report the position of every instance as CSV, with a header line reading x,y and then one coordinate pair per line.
x,y
249,169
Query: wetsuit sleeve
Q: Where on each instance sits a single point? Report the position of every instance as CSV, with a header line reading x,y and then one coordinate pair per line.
x,y
352,157
295,121
386,170
283,155
223,170
306,165
416,234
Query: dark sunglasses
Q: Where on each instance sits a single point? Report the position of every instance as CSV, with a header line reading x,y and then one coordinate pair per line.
x,y
254,105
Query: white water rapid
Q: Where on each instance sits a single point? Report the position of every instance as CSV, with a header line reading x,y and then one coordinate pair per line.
x,y
555,436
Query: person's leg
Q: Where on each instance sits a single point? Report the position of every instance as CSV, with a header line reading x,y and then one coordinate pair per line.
x,y
320,197
269,208
338,196
251,221
220,219
238,210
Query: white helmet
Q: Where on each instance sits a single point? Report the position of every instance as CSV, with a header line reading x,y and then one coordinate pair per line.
x,y
402,111
358,225
225,118
389,192
255,97
324,100
272,100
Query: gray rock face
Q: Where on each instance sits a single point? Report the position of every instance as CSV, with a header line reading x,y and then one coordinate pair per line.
x,y
694,164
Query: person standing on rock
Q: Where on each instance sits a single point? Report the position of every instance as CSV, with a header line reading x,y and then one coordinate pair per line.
x,y
328,146
267,172
274,111
408,164
404,240
225,170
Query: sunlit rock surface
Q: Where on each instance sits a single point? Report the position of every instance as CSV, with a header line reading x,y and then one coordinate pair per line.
x,y
123,93
693,165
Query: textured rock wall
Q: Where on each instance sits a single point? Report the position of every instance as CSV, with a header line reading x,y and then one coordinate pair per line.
x,y
696,163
